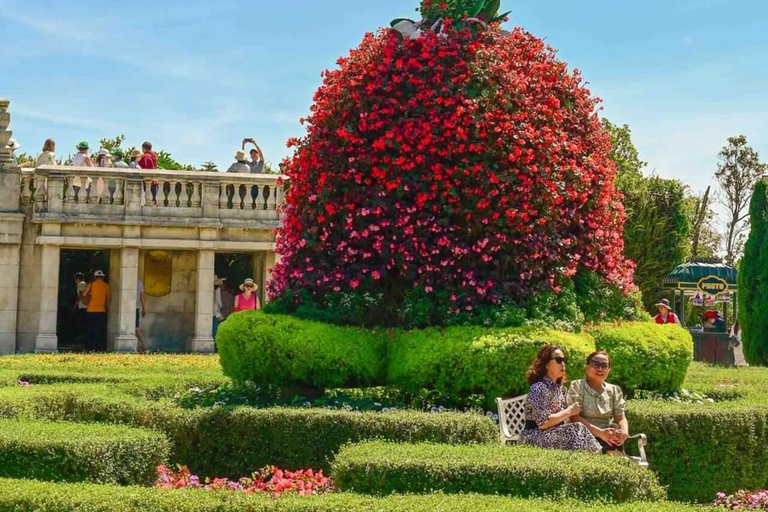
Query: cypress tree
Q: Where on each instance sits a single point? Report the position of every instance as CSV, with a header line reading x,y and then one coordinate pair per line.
x,y
753,280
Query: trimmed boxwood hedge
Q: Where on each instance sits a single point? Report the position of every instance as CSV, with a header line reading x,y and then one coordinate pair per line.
x,y
29,496
460,361
383,468
280,350
70,452
223,441
698,450
645,355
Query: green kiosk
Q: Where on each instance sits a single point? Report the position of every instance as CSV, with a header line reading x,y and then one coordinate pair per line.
x,y
706,283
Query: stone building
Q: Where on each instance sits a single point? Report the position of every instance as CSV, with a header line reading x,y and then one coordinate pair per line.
x,y
165,227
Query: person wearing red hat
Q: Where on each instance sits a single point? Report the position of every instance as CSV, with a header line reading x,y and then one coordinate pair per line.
x,y
713,321
666,315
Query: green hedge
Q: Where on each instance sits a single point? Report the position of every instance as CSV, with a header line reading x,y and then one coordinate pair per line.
x,y
285,351
645,355
28,496
460,361
70,452
698,450
383,468
233,442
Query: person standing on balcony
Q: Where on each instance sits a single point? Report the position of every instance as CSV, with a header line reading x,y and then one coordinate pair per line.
x,y
103,159
47,157
247,300
117,159
13,145
135,157
98,301
241,163
257,157
81,157
148,158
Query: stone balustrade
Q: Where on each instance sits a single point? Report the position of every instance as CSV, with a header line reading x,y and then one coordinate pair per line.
x,y
73,194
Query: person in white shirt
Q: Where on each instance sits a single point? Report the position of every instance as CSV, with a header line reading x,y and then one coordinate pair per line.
x,y
141,311
48,156
81,306
737,347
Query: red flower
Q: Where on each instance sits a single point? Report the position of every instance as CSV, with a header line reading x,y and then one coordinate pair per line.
x,y
477,157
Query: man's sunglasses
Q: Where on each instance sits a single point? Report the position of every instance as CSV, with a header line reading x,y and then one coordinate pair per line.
x,y
559,360
600,365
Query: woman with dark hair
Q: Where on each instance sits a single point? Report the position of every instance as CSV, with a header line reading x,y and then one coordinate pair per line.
x,y
602,404
546,415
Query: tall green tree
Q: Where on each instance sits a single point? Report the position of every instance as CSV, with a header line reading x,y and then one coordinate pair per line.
x,y
705,239
658,221
753,280
737,172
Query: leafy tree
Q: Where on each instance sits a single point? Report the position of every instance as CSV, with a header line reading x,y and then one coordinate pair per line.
x,y
753,280
738,170
209,167
705,239
623,151
657,225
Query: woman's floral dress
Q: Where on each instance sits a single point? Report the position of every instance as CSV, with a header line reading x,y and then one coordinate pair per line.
x,y
545,398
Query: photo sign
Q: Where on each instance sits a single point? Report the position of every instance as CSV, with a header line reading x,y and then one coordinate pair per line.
x,y
712,285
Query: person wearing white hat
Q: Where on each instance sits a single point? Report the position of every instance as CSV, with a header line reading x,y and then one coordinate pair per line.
x,y
241,164
247,300
13,145
103,160
98,294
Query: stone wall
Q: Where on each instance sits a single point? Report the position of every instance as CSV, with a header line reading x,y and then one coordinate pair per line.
x,y
170,321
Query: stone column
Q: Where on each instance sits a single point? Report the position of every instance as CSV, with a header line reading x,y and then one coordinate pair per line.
x,y
203,340
271,258
124,299
46,340
9,293
11,229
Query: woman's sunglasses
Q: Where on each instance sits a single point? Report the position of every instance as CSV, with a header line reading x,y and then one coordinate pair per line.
x,y
559,360
248,286
600,365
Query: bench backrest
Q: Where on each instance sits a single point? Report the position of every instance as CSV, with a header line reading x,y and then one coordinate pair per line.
x,y
511,417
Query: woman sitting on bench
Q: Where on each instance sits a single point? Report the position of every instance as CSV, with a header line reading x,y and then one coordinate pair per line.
x,y
602,404
546,414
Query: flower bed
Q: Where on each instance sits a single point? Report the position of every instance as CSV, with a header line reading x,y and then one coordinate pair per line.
x,y
743,500
268,480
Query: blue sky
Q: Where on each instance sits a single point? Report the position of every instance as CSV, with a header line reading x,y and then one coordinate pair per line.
x,y
195,78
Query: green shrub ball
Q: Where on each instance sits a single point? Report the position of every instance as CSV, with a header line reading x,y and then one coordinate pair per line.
x,y
646,355
279,350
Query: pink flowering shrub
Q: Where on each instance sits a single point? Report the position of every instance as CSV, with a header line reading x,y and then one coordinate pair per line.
x,y
268,480
469,167
743,500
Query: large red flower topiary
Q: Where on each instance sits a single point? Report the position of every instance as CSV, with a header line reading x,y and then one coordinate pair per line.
x,y
465,159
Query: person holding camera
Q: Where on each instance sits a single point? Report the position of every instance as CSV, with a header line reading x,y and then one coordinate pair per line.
x,y
257,157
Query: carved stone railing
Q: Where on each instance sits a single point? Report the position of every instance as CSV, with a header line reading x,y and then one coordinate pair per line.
x,y
79,194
